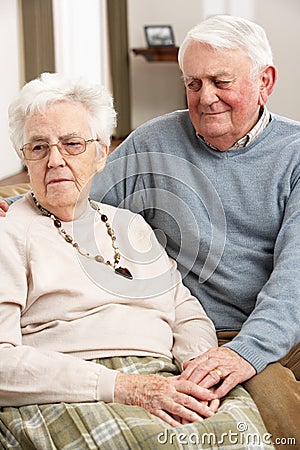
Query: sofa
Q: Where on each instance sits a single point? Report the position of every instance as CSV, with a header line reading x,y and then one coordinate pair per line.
x,y
14,189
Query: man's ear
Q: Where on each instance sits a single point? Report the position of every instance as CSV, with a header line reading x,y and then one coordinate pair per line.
x,y
267,82
101,157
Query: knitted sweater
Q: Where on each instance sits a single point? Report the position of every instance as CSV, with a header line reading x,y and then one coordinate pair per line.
x,y
59,309
231,220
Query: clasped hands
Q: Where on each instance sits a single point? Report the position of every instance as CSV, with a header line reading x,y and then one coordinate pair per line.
x,y
191,396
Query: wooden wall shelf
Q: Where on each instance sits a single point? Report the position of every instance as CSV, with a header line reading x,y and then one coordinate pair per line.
x,y
154,54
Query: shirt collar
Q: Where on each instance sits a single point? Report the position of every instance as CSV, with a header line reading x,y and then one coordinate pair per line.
x,y
246,140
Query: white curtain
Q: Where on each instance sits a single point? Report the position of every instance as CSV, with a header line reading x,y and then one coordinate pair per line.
x,y
80,36
10,81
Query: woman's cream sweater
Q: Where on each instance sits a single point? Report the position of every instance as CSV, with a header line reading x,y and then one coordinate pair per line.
x,y
59,309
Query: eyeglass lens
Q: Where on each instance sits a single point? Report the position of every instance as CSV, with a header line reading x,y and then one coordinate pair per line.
x,y
39,149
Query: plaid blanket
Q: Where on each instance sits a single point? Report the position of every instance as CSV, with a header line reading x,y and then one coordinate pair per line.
x,y
113,426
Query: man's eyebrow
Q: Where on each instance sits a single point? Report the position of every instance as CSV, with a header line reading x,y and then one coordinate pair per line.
x,y
189,78
223,73
219,74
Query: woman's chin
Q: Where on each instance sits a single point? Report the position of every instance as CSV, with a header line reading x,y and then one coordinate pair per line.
x,y
61,194
65,188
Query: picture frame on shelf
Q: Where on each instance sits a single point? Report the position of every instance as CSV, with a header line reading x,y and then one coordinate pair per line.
x,y
159,35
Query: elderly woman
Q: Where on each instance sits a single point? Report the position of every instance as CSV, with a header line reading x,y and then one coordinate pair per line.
x,y
93,313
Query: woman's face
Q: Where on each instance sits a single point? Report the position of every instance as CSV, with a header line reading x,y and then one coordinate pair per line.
x,y
57,180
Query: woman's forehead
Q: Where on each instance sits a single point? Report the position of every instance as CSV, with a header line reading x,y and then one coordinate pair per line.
x,y
61,119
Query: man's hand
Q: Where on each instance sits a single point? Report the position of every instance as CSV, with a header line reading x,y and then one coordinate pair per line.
x,y
218,366
173,400
3,207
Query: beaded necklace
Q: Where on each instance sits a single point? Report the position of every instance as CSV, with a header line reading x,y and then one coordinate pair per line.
x,y
69,239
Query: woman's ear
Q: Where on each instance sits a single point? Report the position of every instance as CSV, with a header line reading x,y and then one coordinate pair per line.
x,y
267,82
101,156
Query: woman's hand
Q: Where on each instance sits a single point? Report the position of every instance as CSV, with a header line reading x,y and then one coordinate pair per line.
x,y
3,207
218,366
213,404
171,399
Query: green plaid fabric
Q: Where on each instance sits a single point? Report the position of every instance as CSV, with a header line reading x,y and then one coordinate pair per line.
x,y
113,426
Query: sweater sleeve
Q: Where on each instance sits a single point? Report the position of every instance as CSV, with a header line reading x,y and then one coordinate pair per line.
x,y
29,375
11,200
273,328
193,331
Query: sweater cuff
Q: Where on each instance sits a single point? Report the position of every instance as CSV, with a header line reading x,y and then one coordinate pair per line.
x,y
106,384
253,358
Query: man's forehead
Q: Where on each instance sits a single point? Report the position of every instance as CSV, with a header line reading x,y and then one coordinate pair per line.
x,y
213,63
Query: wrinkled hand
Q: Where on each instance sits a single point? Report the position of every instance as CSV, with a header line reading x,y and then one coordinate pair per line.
x,y
213,404
3,207
173,400
218,366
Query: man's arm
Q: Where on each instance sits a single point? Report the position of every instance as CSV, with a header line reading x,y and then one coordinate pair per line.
x,y
6,202
272,328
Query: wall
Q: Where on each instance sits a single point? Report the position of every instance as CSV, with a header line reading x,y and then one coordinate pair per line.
x,y
156,88
9,81
280,19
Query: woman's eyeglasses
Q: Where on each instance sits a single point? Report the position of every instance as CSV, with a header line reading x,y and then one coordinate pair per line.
x,y
33,151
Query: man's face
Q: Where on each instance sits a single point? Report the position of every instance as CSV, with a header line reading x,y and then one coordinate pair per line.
x,y
223,97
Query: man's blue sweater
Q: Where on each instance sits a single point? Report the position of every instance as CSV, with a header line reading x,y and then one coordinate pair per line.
x,y
231,220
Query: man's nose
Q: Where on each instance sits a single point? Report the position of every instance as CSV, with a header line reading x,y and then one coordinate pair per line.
x,y
208,94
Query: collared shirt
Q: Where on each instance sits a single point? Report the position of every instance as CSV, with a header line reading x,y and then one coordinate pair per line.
x,y
251,135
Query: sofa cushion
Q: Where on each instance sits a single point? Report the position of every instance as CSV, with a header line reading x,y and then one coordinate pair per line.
x,y
14,189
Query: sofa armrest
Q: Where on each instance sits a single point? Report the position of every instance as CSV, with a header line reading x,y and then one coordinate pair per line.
x,y
14,189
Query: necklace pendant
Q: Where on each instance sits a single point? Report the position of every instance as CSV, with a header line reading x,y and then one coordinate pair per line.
x,y
57,223
124,272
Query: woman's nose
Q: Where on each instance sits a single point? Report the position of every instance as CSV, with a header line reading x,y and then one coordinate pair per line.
x,y
55,158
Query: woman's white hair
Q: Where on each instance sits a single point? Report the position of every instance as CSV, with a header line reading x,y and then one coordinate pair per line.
x,y
51,88
229,32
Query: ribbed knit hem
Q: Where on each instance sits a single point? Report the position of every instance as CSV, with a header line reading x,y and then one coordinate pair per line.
x,y
253,358
106,384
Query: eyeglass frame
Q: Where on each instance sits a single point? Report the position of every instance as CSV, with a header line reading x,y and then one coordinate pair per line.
x,y
59,146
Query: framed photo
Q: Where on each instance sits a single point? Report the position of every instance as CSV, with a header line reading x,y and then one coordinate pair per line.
x,y
159,35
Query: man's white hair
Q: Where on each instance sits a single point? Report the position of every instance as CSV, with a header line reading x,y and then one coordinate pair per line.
x,y
229,32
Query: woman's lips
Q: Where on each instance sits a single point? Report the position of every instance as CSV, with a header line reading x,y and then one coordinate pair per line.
x,y
59,180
